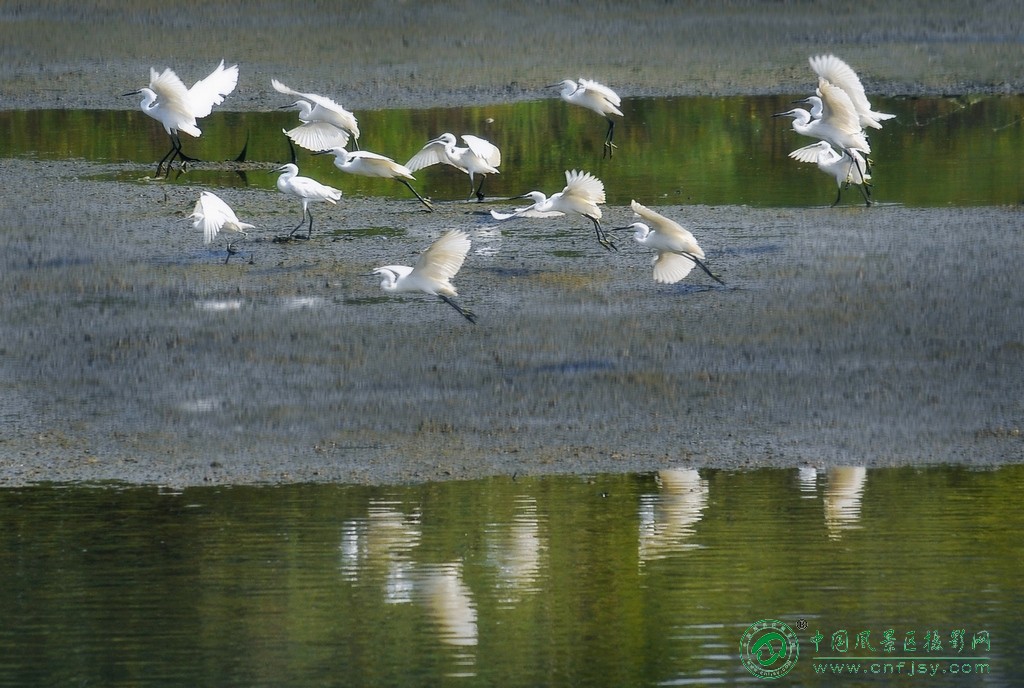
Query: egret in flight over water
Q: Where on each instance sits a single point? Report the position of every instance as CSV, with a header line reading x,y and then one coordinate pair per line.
x,y
306,190
595,97
677,250
177,108
367,164
433,271
847,167
325,124
479,157
836,72
213,215
582,195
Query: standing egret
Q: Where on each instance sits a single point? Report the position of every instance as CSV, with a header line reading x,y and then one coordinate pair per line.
x,y
433,271
306,190
478,157
677,250
582,194
596,97
847,167
177,108
214,215
325,124
835,71
367,164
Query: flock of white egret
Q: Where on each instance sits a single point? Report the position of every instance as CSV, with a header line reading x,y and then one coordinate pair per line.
x,y
839,112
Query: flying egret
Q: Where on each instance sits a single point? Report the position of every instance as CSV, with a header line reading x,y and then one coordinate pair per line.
x,y
325,124
847,167
367,164
677,250
582,194
835,71
596,97
177,108
433,271
478,157
213,215
306,190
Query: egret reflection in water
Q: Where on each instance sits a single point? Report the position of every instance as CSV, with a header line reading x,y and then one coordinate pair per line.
x,y
844,489
668,517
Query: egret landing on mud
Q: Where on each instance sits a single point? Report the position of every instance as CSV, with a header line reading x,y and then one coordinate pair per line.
x,y
677,249
367,164
847,167
177,108
213,215
479,157
307,191
433,272
582,195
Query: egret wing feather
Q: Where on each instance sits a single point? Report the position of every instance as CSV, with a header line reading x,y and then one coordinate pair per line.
x,y
173,99
811,153
318,136
212,90
670,267
583,185
483,149
837,108
430,154
443,260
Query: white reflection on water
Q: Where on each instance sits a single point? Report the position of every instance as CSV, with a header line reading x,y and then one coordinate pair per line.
x,y
450,603
516,549
843,493
669,516
379,546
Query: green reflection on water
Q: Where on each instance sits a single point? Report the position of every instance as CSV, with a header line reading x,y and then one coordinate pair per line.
x,y
607,580
713,151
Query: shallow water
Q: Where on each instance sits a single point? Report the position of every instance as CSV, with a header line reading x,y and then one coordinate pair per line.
x,y
711,151
643,579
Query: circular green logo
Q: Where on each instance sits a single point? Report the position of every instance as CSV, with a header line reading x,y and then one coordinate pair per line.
x,y
769,649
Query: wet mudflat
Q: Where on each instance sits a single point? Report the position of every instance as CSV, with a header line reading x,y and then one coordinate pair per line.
x,y
886,335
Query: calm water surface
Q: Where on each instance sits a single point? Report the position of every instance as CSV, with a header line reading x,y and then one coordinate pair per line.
x,y
713,151
603,580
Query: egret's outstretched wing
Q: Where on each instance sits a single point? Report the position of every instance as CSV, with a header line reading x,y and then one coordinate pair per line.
x,y
212,90
483,149
318,136
172,95
528,211
670,267
583,185
430,154
212,214
342,117
443,260
611,96
811,153
835,71
656,220
837,108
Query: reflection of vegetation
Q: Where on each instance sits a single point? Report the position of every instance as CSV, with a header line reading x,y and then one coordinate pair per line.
x,y
261,586
713,151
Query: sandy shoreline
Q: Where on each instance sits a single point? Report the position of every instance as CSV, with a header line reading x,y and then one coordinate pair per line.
x,y
844,336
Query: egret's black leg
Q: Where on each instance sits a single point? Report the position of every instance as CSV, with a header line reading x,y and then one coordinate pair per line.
x,y
861,172
702,266
839,193
867,195
602,236
465,313
609,135
424,201
480,188
302,222
231,251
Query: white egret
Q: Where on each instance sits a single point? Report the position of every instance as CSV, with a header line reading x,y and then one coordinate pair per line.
x,y
847,167
325,124
433,271
677,249
478,157
213,215
306,190
595,97
837,72
177,108
367,164
838,124
582,194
